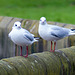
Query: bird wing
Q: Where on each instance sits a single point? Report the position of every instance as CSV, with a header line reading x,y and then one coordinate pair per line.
x,y
59,32
27,35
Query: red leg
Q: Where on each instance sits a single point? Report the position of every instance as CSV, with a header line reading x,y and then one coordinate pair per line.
x,y
27,52
51,46
21,50
54,46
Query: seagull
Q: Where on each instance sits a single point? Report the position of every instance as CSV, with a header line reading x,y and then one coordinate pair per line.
x,y
21,37
53,32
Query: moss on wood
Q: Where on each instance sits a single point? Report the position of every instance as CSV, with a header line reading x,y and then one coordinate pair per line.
x,y
62,62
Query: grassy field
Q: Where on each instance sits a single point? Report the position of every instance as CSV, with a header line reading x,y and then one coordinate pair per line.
x,y
54,10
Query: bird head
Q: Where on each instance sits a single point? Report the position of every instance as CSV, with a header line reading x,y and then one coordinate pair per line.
x,y
17,25
42,21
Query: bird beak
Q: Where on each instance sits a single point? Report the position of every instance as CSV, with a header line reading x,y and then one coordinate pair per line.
x,y
19,27
42,21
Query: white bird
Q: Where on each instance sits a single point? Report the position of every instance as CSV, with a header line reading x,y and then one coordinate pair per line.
x,y
21,36
52,32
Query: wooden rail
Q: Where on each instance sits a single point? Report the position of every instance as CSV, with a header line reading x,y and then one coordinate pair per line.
x,y
62,62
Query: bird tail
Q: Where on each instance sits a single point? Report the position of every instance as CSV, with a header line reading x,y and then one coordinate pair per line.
x,y
72,32
36,39
72,29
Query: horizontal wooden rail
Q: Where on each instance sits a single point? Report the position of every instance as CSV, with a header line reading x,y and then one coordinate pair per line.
x,y
62,62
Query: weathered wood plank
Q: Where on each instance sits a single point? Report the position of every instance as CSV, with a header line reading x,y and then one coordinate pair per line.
x,y
5,21
62,62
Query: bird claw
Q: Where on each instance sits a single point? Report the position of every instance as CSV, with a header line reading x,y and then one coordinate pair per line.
x,y
25,56
52,50
21,55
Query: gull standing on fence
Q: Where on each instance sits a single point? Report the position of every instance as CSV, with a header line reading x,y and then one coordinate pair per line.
x,y
52,32
21,36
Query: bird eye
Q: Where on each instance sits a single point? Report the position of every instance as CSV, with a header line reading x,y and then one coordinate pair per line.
x,y
15,24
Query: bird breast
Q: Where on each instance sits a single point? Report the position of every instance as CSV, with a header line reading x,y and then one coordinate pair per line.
x,y
18,38
46,34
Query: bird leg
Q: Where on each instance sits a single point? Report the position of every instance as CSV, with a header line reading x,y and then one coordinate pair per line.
x,y
51,46
54,46
26,51
21,50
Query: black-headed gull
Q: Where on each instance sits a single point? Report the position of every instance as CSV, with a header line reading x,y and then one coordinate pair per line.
x,y
52,32
21,36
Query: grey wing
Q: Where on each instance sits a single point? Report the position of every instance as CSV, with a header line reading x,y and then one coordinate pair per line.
x,y
59,32
28,35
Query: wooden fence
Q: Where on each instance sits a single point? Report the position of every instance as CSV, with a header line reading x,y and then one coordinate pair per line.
x,y
7,47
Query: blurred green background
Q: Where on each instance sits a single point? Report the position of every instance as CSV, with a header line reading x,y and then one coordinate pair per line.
x,y
54,10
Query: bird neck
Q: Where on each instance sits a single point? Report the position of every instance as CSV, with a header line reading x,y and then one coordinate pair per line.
x,y
15,28
42,25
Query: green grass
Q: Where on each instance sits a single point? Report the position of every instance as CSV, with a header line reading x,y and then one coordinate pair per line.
x,y
54,10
